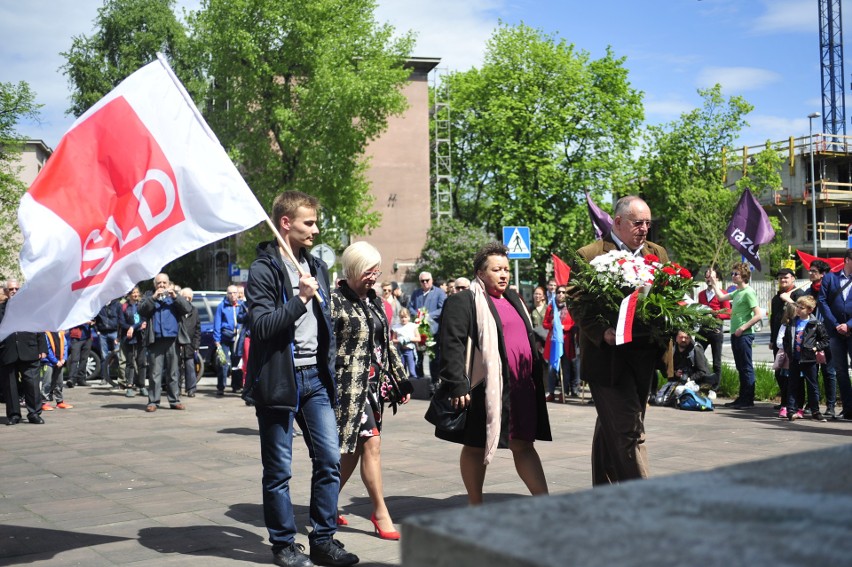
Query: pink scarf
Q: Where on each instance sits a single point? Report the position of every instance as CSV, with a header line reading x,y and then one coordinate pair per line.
x,y
488,366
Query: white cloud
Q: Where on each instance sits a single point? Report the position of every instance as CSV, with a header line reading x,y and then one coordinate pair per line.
x,y
737,79
788,16
665,110
454,31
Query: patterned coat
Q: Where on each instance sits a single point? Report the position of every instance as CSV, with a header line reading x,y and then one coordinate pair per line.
x,y
353,360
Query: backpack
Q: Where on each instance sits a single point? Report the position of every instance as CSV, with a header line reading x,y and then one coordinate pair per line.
x,y
689,400
666,395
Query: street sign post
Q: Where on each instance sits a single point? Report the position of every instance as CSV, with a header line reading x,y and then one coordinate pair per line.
x,y
517,240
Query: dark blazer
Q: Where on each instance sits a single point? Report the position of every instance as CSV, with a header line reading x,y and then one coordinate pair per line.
x,y
834,309
457,323
21,347
601,363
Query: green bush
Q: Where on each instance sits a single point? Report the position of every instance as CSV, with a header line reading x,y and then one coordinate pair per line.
x,y
765,385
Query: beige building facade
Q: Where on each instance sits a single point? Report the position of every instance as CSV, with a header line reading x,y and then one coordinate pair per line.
x,y
399,175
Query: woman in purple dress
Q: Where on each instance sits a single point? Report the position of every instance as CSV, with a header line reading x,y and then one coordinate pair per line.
x,y
500,383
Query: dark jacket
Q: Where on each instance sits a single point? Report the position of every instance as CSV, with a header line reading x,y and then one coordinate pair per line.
x,y
108,317
129,319
457,323
21,347
814,338
601,363
163,316
692,362
190,329
834,309
273,312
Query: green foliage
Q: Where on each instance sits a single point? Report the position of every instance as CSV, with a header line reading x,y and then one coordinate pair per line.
x,y
297,90
128,34
765,385
680,176
450,248
17,102
538,124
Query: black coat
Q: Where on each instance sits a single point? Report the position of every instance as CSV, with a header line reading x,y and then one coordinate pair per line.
x,y
21,347
458,321
273,311
814,338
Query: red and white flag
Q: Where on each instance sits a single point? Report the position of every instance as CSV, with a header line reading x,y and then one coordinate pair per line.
x,y
138,181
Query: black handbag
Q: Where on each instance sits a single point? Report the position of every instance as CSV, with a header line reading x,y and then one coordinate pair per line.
x,y
441,412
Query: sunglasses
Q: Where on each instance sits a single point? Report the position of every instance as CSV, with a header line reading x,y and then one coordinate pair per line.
x,y
424,281
13,288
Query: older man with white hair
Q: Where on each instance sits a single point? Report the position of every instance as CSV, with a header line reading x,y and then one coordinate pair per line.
x,y
431,299
461,284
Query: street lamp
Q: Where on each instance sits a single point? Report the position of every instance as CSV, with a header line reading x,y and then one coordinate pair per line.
x,y
811,117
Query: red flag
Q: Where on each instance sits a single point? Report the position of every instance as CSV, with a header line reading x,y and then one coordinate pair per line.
x,y
561,270
835,263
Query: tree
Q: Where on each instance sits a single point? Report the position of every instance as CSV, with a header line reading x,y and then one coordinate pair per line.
x,y
297,90
450,248
128,34
17,102
680,174
537,125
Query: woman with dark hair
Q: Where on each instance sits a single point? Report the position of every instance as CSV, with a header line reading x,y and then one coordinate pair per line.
x,y
369,373
503,394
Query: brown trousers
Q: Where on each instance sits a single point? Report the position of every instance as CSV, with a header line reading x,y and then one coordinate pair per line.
x,y
618,446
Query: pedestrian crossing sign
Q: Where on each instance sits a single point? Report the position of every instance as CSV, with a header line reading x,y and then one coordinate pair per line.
x,y
517,240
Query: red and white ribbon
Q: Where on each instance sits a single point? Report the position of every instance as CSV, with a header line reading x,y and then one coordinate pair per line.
x,y
626,315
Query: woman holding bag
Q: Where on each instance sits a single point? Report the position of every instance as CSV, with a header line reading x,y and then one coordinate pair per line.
x,y
369,375
504,394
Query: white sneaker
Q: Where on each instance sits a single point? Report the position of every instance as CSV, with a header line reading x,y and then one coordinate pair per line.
x,y
711,394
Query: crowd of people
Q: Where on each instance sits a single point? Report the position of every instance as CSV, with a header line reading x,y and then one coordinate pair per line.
x,y
333,356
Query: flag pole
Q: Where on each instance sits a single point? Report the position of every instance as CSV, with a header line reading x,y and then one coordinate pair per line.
x,y
288,252
718,249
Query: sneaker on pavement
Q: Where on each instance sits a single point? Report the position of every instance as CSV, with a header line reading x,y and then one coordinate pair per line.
x,y
331,553
783,413
130,393
46,407
292,556
64,405
816,416
829,412
143,392
796,415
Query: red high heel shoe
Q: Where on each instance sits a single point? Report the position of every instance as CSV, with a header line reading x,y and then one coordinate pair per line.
x,y
393,535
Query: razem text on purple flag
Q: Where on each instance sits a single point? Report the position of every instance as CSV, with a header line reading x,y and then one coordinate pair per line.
x,y
749,228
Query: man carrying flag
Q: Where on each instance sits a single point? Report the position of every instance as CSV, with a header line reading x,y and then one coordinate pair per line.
x,y
138,181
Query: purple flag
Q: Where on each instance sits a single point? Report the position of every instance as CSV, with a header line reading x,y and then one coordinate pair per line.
x,y
749,228
600,220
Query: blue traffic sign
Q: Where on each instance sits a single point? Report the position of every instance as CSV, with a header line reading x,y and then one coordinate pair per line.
x,y
517,240
233,270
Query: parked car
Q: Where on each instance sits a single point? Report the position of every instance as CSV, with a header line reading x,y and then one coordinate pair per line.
x,y
206,302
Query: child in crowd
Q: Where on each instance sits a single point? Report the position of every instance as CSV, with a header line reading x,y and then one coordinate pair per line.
x,y
407,337
54,364
804,337
782,376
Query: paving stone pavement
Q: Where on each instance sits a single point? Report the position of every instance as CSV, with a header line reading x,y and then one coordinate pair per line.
x,y
105,483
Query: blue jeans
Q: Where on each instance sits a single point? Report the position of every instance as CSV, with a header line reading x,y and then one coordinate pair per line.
x,y
224,369
319,425
841,349
829,380
742,349
109,345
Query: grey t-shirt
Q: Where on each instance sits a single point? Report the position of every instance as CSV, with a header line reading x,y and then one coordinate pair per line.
x,y
306,340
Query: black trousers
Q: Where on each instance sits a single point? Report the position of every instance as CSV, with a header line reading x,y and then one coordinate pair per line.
x,y
713,337
29,372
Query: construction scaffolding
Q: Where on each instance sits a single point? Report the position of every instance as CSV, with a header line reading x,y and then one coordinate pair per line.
x,y
442,163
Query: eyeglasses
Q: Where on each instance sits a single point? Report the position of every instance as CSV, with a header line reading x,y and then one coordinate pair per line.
x,y
734,274
639,223
461,287
425,281
372,274
561,292
13,288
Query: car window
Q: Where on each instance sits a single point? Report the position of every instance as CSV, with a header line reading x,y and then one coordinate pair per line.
x,y
203,313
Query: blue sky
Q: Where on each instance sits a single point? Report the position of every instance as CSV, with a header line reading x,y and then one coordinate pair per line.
x,y
764,50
